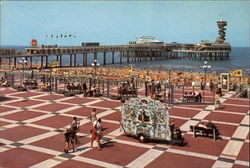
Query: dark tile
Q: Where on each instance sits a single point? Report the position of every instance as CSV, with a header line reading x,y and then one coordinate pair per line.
x,y
226,160
17,144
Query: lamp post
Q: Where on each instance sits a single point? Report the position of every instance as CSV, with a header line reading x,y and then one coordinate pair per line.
x,y
23,61
95,65
205,67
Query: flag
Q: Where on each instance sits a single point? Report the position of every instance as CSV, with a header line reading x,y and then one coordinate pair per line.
x,y
236,73
61,35
65,35
51,35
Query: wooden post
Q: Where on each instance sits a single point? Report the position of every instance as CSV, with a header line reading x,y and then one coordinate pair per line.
x,y
60,61
127,56
121,57
113,57
70,60
104,58
30,61
74,60
14,62
46,61
41,61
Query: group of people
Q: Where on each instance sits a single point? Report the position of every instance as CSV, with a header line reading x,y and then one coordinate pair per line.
x,y
96,133
4,82
31,83
126,88
70,136
192,97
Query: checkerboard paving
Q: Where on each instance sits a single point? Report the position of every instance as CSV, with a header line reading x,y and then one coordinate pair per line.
x,y
32,126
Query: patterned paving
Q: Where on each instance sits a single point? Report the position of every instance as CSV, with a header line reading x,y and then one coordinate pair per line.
x,y
32,125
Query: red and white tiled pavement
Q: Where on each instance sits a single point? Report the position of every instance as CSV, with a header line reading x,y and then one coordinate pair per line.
x,y
32,125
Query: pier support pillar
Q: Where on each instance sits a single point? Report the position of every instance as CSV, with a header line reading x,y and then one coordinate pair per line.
x,y
121,57
46,61
113,57
95,56
84,59
127,56
60,60
14,62
104,58
70,60
41,62
74,60
57,58
30,62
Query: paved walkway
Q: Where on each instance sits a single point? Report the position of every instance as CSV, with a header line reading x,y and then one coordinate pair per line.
x,y
32,125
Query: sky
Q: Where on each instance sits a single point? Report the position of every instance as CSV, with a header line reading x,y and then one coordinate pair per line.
x,y
118,22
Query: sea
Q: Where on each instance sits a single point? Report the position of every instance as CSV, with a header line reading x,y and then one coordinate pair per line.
x,y
239,59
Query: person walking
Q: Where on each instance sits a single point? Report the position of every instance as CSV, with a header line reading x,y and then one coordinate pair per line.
x,y
96,133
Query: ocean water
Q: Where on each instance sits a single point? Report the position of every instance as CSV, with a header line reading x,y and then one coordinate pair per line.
x,y
239,59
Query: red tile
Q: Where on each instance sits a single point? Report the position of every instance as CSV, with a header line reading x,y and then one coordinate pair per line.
x,y
26,94
239,101
183,112
116,116
239,166
24,103
3,123
18,157
75,164
173,160
178,122
226,130
50,97
22,115
7,91
21,132
244,153
225,117
203,145
78,100
4,99
4,109
115,153
56,121
108,104
57,142
53,107
84,111
232,108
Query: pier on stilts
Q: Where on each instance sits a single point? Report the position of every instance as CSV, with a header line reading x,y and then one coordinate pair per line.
x,y
133,52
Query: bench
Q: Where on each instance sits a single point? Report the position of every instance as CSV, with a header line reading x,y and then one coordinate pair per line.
x,y
206,131
189,99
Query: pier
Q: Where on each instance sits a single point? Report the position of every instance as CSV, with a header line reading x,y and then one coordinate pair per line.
x,y
133,52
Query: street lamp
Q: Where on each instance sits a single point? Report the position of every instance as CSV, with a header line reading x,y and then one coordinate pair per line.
x,y
23,61
95,65
205,67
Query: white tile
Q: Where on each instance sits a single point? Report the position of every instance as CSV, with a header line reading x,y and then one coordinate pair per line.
x,y
241,132
232,148
201,115
95,162
220,164
38,137
47,163
144,159
186,125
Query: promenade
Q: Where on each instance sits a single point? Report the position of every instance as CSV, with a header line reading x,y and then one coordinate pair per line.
x,y
33,122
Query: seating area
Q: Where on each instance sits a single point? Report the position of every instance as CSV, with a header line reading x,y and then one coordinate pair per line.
x,y
208,132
